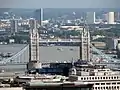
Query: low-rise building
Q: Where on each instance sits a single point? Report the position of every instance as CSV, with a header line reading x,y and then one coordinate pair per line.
x,y
102,78
111,43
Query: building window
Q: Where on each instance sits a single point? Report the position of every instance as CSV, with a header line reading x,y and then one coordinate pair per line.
x,y
103,77
97,84
106,87
87,78
98,77
113,83
102,83
118,82
117,87
81,78
108,83
90,78
109,87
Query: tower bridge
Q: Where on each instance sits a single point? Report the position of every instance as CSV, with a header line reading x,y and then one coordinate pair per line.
x,y
30,54
22,57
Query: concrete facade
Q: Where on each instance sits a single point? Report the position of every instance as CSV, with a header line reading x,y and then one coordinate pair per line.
x,y
111,18
90,17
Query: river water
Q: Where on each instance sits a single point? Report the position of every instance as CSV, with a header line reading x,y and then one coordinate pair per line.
x,y
47,54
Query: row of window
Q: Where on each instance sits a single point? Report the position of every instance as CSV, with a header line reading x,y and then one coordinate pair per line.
x,y
103,88
97,78
107,83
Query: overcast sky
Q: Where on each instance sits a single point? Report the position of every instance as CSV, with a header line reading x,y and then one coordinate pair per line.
x,y
59,3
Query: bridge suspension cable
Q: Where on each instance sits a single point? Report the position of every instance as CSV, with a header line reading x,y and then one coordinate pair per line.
x,y
17,57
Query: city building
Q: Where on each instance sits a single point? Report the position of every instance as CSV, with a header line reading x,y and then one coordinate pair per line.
x,y
58,86
39,15
32,23
111,18
14,26
72,27
104,17
85,44
34,48
118,49
101,77
111,43
90,17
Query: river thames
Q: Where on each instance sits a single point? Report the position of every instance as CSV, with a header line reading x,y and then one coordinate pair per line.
x,y
47,54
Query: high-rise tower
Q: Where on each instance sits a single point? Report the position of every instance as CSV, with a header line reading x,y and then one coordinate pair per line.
x,y
34,58
85,44
14,26
39,16
90,17
111,18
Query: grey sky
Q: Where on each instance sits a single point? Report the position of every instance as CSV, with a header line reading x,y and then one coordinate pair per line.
x,y
60,3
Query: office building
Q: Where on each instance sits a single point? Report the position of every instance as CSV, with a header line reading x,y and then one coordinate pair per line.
x,y
14,26
111,43
118,50
39,16
101,78
111,18
90,17
85,45
32,23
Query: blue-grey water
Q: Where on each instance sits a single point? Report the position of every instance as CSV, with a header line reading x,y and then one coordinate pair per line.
x,y
47,54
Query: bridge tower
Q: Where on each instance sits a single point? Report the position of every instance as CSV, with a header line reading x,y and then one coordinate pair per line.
x,y
34,58
85,44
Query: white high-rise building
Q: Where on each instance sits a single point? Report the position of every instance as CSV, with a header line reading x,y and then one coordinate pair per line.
x,y
90,17
111,18
34,58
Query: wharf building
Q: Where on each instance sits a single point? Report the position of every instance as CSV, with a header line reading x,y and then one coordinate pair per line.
x,y
102,78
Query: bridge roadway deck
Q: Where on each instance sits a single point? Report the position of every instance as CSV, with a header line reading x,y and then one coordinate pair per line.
x,y
24,63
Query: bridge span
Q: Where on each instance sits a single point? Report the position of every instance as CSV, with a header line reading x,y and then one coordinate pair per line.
x,y
19,58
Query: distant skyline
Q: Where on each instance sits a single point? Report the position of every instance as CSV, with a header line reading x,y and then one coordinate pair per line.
x,y
59,3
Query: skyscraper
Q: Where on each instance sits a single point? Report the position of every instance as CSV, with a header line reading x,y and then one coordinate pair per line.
x,y
90,17
39,15
34,58
85,45
111,18
14,26
32,24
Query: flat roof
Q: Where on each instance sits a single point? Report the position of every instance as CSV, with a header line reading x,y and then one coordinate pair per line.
x,y
40,83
